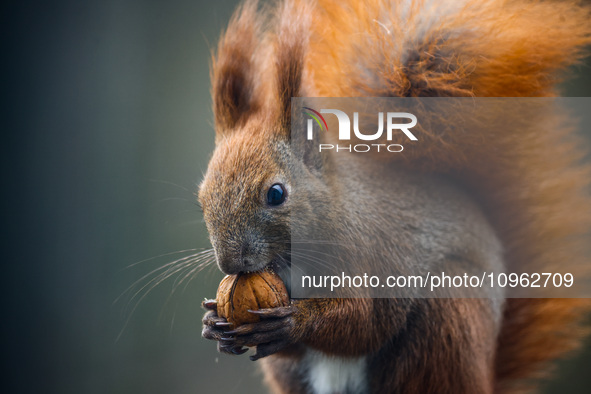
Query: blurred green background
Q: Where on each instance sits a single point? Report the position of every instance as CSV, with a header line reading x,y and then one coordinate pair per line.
x,y
107,130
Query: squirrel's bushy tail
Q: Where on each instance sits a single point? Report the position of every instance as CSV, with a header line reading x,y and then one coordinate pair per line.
x,y
484,48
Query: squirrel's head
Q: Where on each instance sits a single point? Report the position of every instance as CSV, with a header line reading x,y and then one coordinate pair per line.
x,y
248,191
246,197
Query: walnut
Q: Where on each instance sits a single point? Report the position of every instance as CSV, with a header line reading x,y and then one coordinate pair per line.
x,y
257,290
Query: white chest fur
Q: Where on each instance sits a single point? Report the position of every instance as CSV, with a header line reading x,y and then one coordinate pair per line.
x,y
335,375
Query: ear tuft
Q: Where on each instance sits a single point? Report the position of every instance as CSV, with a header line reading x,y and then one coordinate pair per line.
x,y
234,69
291,44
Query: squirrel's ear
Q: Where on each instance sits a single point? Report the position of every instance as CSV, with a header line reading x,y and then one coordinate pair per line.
x,y
234,69
291,44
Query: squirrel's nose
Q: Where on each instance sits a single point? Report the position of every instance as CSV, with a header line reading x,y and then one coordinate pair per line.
x,y
229,266
238,260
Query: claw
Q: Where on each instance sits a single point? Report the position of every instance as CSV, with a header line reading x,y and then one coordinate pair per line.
x,y
267,349
210,304
211,319
223,324
239,351
211,333
230,348
224,348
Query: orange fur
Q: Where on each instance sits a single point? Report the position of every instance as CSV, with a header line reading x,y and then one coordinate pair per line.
x,y
484,48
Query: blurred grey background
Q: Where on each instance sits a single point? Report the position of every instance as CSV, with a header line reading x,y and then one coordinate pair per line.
x,y
107,130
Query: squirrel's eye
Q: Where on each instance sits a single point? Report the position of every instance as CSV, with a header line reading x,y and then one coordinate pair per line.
x,y
276,194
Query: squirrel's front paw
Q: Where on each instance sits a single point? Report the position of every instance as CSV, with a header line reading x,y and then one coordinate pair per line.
x,y
213,328
275,331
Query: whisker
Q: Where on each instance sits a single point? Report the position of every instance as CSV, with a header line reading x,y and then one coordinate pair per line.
x,y
194,271
137,282
183,268
162,255
175,199
310,261
181,272
158,280
188,272
318,241
171,183
202,258
198,268
172,320
288,266
299,251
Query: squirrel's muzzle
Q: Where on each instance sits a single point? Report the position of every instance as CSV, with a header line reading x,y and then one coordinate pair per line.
x,y
240,257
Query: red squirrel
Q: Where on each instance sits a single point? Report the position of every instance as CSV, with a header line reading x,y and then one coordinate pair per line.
x,y
399,48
